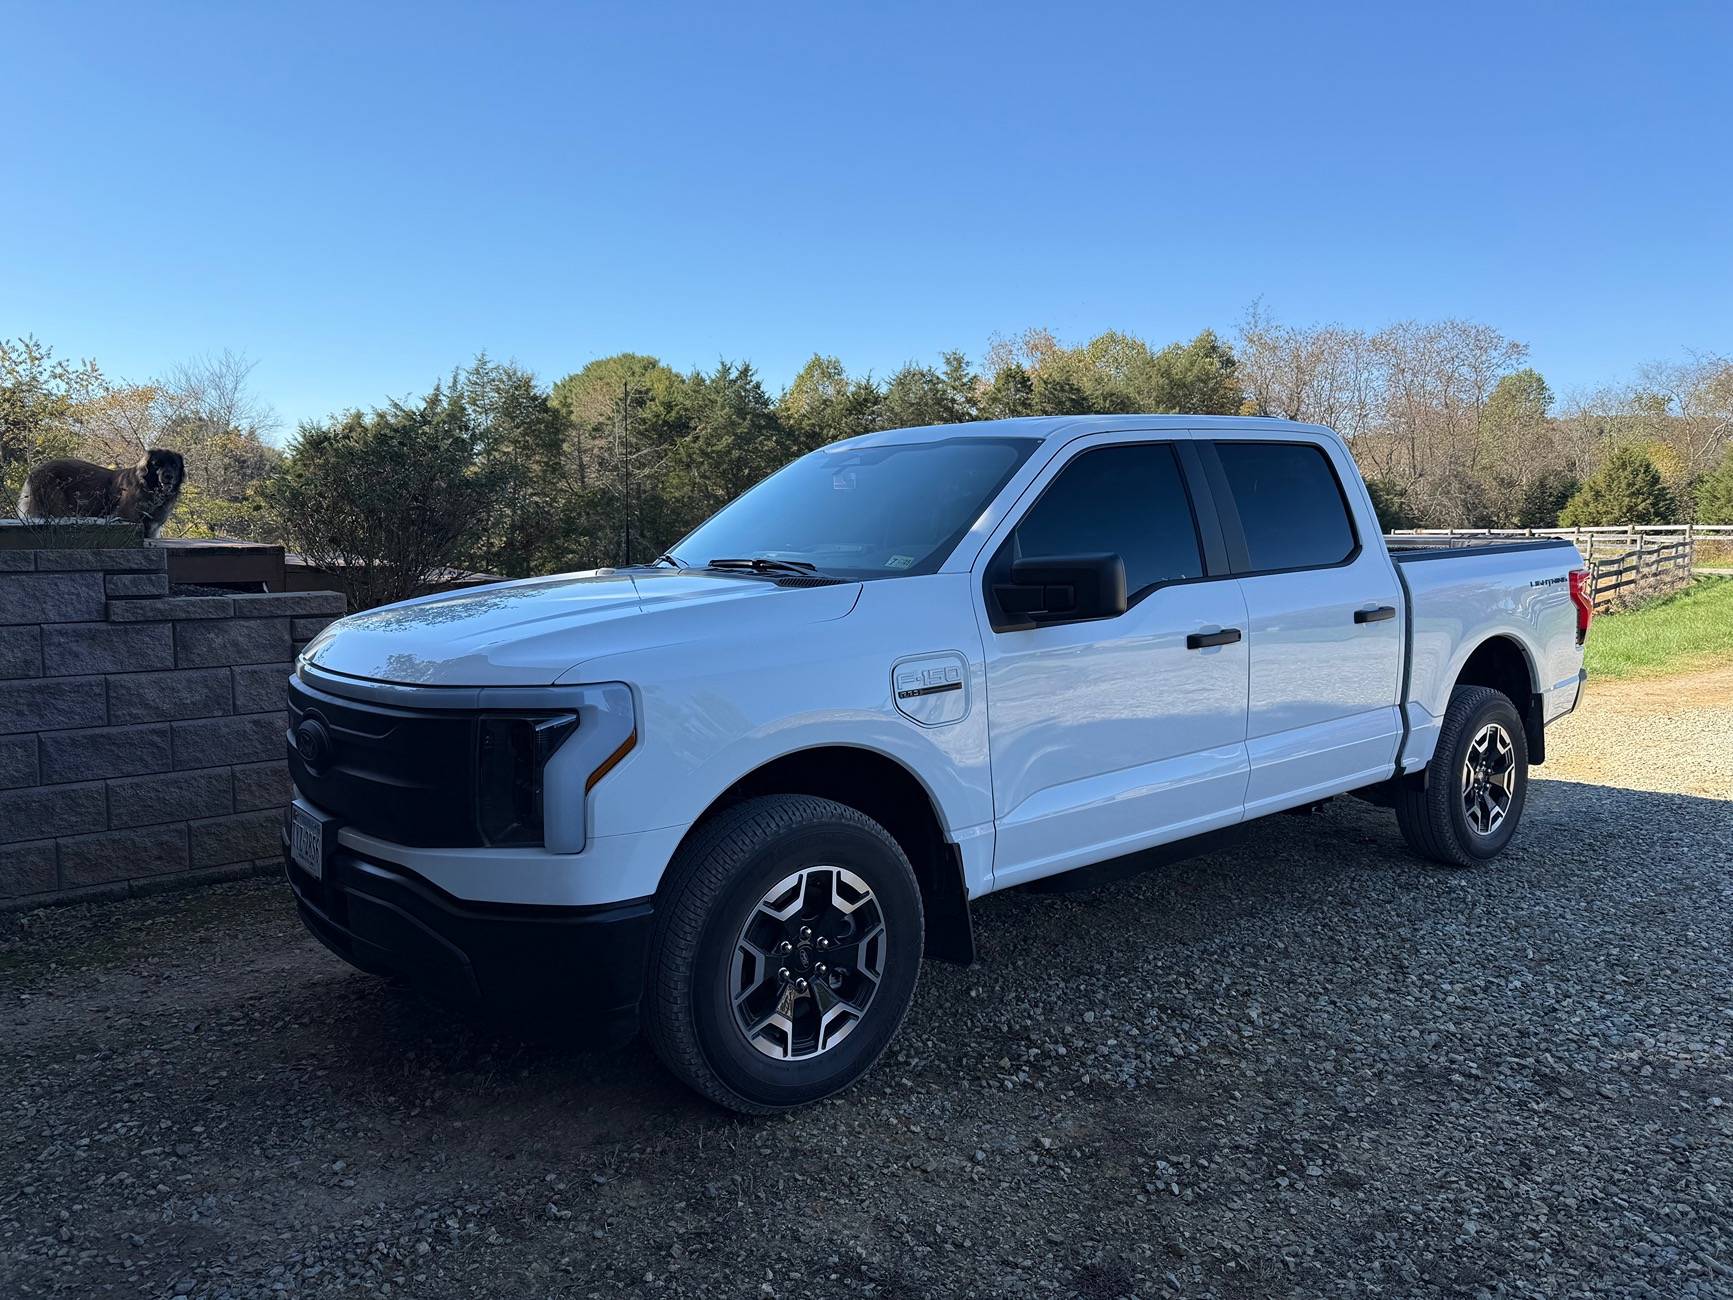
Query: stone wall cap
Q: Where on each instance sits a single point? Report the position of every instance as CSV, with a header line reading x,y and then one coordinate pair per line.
x,y
68,533
111,559
160,609
261,604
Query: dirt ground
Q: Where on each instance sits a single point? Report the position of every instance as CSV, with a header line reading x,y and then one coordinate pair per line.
x,y
1310,1066
1666,734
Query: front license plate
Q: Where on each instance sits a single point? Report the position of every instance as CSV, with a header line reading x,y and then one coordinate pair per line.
x,y
307,840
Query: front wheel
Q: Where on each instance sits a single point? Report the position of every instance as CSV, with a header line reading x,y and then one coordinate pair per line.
x,y
1476,784
785,952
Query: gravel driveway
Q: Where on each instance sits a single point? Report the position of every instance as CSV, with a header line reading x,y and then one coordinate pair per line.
x,y
1313,1066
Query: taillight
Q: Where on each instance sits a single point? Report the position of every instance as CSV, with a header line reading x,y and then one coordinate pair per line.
x,y
1585,605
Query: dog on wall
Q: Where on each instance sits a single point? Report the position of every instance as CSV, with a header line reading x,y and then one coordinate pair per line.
x,y
141,494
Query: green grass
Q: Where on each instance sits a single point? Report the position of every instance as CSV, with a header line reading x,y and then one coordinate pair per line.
x,y
1693,629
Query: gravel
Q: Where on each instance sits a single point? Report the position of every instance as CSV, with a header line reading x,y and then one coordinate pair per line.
x,y
1309,1066
1672,735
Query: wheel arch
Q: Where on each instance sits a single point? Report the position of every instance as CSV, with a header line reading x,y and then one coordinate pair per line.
x,y
1503,663
889,792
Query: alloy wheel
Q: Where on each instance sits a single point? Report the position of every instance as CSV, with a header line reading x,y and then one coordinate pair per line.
x,y
1488,779
807,963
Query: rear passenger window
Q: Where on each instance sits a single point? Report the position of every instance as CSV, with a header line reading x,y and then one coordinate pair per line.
x,y
1290,504
1129,501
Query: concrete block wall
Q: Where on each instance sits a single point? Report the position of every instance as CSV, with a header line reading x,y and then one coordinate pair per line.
x,y
141,733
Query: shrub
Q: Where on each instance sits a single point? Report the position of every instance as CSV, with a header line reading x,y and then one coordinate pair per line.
x,y
383,501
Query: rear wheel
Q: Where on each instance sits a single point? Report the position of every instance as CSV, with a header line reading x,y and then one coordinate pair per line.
x,y
785,953
1476,784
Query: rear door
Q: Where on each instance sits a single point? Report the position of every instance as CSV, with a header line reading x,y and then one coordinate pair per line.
x,y
1111,735
1325,618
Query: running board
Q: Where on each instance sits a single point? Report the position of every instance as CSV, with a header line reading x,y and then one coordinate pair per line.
x,y
1132,864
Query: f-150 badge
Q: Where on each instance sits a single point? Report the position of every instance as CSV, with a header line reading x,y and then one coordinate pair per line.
x,y
932,690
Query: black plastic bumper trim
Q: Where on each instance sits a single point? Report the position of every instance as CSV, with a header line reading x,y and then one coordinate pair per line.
x,y
579,966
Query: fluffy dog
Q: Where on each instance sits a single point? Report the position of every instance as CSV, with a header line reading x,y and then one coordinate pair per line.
x,y
141,494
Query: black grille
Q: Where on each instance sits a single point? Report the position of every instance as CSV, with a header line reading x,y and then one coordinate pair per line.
x,y
404,775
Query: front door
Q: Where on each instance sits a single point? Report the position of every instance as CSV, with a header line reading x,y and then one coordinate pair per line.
x,y
1112,735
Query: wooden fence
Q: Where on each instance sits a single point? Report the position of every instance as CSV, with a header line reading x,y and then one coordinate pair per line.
x,y
1648,569
1626,563
1620,537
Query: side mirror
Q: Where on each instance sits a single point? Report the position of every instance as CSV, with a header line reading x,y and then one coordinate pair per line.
x,y
1061,588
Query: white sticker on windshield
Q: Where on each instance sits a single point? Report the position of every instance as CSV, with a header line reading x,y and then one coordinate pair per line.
x,y
842,481
899,561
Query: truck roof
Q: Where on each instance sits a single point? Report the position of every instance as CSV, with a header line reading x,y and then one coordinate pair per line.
x,y
1050,427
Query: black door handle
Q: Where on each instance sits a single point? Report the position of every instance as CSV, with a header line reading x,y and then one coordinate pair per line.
x,y
1380,615
1203,640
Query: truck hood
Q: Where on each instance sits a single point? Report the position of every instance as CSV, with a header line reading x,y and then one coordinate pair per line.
x,y
538,630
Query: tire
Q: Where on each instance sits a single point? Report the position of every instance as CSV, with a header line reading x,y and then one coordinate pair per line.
x,y
721,912
1440,818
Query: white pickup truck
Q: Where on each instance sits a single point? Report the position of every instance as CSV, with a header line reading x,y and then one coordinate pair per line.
x,y
737,794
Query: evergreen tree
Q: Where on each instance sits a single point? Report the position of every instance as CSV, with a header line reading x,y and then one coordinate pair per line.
x,y
919,395
1715,493
1198,378
1627,489
1390,504
1059,394
1011,394
824,404
734,439
519,439
623,415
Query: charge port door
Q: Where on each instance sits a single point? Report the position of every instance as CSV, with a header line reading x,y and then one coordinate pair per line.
x,y
932,690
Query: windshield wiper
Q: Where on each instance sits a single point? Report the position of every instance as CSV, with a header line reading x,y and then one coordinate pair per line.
x,y
761,564
670,559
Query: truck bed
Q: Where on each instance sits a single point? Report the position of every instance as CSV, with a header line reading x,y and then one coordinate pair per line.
x,y
1406,549
1515,589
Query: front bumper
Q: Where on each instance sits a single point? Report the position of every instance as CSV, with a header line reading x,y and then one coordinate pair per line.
x,y
578,967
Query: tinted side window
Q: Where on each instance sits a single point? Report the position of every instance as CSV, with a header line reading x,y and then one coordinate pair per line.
x,y
1130,501
1290,504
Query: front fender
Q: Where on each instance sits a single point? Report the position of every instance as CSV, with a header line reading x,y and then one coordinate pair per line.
x,y
713,712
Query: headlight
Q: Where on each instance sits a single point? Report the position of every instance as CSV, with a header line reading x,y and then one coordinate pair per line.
x,y
533,770
511,757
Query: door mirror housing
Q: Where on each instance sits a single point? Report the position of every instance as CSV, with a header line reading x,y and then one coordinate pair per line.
x,y
1061,589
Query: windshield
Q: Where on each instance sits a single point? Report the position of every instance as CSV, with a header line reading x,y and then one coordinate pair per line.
x,y
863,512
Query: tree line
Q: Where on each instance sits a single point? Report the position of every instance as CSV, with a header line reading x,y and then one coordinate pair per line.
x,y
493,470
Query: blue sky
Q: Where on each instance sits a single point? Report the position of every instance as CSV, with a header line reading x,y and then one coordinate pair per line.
x,y
360,196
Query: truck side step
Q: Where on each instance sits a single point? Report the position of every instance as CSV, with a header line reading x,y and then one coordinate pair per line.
x,y
1102,873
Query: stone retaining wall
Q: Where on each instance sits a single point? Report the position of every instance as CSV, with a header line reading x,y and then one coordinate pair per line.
x,y
141,734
